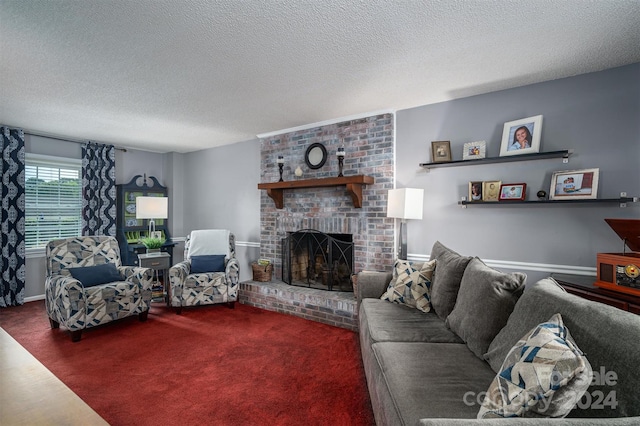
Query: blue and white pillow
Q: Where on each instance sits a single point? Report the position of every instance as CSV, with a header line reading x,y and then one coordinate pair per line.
x,y
411,286
544,375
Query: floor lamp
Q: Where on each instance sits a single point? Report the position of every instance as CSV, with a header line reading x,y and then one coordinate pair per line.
x,y
403,204
152,208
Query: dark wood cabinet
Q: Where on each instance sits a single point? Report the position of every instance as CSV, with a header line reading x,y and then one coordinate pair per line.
x,y
583,286
129,229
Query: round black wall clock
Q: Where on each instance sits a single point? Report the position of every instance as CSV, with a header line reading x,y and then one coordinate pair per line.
x,y
315,156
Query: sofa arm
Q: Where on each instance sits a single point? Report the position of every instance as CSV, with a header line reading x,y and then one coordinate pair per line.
x,y
617,421
372,284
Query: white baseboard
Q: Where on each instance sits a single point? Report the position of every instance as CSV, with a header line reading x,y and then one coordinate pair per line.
x,y
523,266
34,298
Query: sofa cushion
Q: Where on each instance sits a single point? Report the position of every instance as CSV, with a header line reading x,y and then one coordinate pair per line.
x,y
381,321
411,284
544,375
91,276
446,279
426,380
607,335
485,301
207,263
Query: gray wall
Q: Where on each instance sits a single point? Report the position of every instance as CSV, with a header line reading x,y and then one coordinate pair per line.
x,y
221,191
596,115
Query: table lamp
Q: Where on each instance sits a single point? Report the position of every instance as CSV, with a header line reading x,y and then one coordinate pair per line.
x,y
152,208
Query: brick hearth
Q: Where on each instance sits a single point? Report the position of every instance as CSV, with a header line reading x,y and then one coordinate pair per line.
x,y
328,307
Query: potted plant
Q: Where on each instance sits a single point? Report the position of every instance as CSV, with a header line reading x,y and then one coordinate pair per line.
x,y
152,244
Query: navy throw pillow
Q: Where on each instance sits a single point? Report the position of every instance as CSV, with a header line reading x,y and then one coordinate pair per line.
x,y
91,276
207,263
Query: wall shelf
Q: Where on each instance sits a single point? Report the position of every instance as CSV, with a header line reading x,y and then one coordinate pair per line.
x,y
622,201
353,184
564,154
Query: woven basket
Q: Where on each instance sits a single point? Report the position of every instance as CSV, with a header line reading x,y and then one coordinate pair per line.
x,y
262,273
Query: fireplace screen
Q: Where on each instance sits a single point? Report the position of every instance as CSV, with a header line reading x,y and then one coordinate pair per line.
x,y
314,259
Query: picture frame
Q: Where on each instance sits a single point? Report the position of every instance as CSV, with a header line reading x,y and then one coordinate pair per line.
x,y
475,191
513,192
525,131
440,151
474,150
491,190
575,184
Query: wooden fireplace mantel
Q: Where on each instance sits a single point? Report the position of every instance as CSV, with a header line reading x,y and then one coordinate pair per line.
x,y
354,185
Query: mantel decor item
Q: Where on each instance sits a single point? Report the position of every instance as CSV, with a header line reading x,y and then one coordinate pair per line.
x,y
574,185
340,155
315,156
280,166
440,151
513,192
474,150
521,136
152,208
404,203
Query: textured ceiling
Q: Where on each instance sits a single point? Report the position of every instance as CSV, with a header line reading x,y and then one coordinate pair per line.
x,y
184,75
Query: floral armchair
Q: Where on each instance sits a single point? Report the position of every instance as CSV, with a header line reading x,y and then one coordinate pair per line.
x,y
86,284
210,272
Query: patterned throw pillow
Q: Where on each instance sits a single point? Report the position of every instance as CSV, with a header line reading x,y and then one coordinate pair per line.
x,y
544,375
411,286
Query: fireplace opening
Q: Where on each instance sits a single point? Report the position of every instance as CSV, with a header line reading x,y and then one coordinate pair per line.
x,y
314,259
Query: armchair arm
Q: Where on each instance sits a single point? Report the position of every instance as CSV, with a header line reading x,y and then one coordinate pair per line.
x,y
232,272
138,275
66,301
177,276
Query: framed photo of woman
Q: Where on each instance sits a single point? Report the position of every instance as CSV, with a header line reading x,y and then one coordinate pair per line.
x,y
475,191
521,136
513,192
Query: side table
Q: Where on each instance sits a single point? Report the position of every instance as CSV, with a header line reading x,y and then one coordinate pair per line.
x,y
159,262
583,286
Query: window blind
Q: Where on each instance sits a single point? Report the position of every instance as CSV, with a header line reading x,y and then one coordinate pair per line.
x,y
53,199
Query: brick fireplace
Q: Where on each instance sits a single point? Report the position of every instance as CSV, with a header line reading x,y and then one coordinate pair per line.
x,y
369,150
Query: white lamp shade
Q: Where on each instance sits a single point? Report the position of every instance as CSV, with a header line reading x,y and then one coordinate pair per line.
x,y
405,203
152,207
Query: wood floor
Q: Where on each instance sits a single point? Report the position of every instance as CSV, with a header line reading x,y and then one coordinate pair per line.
x,y
31,395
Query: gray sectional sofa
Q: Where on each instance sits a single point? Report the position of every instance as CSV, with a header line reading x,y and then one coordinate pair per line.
x,y
420,372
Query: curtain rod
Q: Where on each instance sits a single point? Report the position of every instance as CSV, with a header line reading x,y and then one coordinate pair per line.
x,y
42,135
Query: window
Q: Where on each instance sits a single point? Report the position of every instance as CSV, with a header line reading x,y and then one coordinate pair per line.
x,y
53,199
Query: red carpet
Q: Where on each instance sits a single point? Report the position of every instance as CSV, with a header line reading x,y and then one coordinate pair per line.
x,y
210,365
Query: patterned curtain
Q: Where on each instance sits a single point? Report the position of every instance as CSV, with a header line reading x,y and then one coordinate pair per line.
x,y
12,217
98,189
